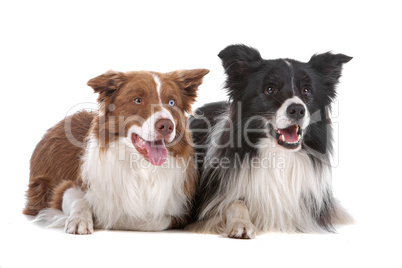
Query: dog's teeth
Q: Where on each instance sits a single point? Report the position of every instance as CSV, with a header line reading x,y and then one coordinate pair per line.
x,y
282,138
298,138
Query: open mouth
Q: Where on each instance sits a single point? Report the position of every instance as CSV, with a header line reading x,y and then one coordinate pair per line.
x,y
153,151
289,137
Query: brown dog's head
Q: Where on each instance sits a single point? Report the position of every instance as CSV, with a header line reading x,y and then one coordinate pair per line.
x,y
147,108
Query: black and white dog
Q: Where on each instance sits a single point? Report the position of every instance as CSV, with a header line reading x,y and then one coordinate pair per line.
x,y
266,152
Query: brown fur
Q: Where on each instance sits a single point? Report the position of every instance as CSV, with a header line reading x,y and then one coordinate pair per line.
x,y
58,192
56,160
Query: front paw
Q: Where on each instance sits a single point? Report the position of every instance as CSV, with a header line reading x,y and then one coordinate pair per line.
x,y
79,225
240,229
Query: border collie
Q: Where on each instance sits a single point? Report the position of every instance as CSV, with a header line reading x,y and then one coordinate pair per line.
x,y
266,153
127,166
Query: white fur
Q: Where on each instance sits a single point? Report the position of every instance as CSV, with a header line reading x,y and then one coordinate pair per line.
x,y
292,73
147,129
158,86
288,63
80,216
282,120
126,192
238,223
70,196
54,217
274,195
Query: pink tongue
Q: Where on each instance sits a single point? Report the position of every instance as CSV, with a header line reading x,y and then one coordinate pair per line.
x,y
289,134
156,151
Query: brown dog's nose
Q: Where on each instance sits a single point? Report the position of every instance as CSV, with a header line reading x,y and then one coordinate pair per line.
x,y
164,127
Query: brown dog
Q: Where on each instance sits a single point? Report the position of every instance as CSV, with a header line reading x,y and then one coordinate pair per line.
x,y
127,166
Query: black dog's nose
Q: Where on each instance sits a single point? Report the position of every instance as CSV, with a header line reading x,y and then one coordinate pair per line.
x,y
296,111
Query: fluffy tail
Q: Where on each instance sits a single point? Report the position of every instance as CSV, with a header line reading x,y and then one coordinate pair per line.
x,y
341,215
53,217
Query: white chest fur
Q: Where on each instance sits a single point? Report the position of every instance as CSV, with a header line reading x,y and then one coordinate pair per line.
x,y
279,190
127,192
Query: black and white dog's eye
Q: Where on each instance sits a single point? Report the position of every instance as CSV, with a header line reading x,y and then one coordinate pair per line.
x,y
270,91
307,91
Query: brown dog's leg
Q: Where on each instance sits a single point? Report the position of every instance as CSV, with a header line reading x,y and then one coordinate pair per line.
x,y
79,213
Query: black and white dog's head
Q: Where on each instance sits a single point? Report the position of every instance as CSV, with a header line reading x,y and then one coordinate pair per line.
x,y
285,92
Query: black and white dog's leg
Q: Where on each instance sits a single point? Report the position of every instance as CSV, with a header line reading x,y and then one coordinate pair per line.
x,y
238,223
79,213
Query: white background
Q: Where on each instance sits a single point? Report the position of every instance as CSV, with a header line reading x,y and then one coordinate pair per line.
x,y
50,49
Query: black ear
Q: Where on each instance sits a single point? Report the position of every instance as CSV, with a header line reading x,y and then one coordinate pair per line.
x,y
238,61
329,66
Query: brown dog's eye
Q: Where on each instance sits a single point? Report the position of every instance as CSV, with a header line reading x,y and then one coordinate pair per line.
x,y
137,101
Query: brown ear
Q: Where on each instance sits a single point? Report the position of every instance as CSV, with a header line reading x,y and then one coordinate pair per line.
x,y
107,83
189,81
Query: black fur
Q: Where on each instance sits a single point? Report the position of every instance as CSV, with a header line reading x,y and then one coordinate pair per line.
x,y
248,75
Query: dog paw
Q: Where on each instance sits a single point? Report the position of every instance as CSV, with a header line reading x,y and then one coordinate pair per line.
x,y
240,229
79,226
